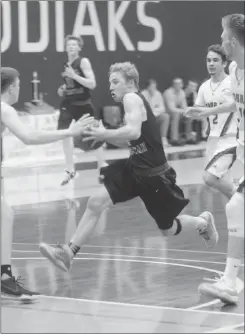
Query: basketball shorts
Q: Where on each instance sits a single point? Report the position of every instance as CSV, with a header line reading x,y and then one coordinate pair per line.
x,y
163,199
220,156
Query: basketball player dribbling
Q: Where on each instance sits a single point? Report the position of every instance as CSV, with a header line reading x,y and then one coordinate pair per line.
x,y
76,100
146,174
11,287
225,288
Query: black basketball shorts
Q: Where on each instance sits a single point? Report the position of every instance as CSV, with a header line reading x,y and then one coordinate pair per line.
x,y
163,199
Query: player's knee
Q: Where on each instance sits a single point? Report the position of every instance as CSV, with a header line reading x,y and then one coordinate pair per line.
x,y
165,232
209,179
235,215
96,204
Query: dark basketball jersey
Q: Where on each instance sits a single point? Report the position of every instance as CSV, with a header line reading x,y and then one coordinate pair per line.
x,y
147,151
75,92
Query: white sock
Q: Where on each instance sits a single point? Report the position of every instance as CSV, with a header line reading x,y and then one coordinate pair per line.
x,y
231,270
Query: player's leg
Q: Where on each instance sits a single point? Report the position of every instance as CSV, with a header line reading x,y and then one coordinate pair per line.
x,y
226,288
163,121
164,200
10,286
216,174
174,128
64,122
189,130
7,219
119,187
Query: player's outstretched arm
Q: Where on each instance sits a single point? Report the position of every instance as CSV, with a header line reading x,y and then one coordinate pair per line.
x,y
198,111
133,121
35,137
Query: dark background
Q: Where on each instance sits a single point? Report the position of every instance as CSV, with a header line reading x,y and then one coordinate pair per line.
x,y
188,29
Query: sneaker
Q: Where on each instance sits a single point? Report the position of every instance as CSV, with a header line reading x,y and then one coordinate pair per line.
x,y
12,288
214,279
58,255
208,230
68,177
220,290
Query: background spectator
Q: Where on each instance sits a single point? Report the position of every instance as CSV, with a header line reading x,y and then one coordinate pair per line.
x,y
199,125
154,97
176,104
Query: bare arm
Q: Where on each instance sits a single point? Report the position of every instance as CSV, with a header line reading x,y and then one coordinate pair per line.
x,y
183,102
170,101
133,120
220,109
160,105
89,80
35,137
226,107
118,143
132,128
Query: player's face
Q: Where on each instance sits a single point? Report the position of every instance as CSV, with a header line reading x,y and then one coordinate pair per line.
x,y
178,85
152,87
215,65
72,47
118,86
228,42
192,86
15,90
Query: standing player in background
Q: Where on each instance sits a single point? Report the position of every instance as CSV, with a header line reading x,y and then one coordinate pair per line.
x,y
76,100
225,288
214,101
10,85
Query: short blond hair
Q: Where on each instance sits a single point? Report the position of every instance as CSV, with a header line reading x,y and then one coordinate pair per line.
x,y
128,70
74,38
235,23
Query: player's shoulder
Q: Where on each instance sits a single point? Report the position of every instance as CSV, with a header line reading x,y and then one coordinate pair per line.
x,y
168,92
6,111
132,97
84,61
205,85
227,81
6,108
232,66
158,94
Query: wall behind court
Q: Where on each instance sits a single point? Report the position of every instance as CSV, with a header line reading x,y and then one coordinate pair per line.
x,y
164,39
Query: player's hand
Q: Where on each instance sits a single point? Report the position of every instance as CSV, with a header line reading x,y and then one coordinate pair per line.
x,y
192,112
61,90
69,72
95,132
78,128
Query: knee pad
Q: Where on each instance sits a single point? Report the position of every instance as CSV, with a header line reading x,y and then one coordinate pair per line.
x,y
235,215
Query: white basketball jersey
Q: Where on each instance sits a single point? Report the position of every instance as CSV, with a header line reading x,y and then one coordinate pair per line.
x,y
237,87
212,95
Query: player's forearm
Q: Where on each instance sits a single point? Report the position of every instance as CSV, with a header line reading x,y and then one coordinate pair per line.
x,y
89,83
220,109
117,142
45,137
159,110
125,133
175,110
